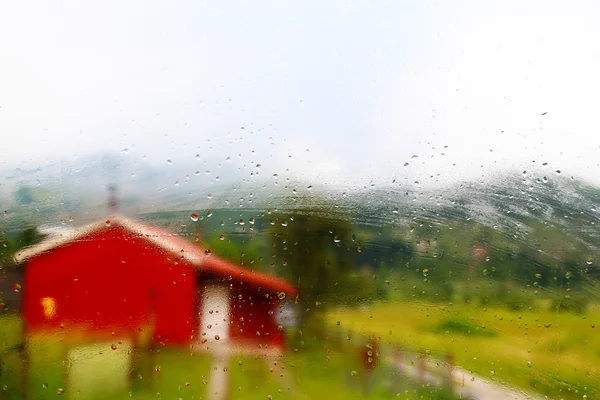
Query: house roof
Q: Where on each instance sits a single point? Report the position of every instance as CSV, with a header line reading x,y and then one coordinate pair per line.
x,y
167,241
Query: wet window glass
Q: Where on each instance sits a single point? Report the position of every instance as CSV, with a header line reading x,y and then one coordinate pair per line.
x,y
309,200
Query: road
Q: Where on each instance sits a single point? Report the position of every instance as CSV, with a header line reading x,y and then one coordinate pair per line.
x,y
464,383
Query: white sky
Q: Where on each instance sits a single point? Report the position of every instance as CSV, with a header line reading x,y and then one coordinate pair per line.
x,y
363,85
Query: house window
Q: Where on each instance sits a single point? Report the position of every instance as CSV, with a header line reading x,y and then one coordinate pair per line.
x,y
49,307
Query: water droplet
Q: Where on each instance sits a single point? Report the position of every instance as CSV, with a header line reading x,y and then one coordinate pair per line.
x,y
217,337
258,166
169,162
207,252
336,239
251,220
60,391
17,287
209,196
309,188
425,272
284,223
395,211
207,172
557,172
281,295
222,237
275,176
107,222
406,164
197,156
113,347
125,151
242,222
524,173
194,217
545,179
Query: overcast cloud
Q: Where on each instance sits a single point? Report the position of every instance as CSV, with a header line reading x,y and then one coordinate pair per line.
x,y
363,86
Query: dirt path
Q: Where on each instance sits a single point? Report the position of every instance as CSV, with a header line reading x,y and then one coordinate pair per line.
x,y
465,384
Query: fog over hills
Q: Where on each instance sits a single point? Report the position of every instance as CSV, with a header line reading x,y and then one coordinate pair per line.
x,y
507,201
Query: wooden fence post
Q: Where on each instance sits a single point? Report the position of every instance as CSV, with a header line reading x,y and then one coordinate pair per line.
x,y
422,364
450,370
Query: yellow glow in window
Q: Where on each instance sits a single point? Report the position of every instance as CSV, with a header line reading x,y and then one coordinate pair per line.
x,y
49,306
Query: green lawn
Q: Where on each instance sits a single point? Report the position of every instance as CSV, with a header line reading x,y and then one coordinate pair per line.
x,y
319,370
555,354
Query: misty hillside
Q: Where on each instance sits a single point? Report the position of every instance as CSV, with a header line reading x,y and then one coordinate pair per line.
x,y
519,206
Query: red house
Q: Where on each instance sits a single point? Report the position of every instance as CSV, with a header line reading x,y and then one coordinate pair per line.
x,y
124,278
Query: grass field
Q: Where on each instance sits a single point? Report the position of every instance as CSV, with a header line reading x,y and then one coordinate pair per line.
x,y
554,354
317,370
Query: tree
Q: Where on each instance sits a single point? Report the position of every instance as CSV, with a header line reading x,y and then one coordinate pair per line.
x,y
313,247
24,195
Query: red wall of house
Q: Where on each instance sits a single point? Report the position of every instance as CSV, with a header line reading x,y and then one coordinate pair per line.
x,y
113,281
253,316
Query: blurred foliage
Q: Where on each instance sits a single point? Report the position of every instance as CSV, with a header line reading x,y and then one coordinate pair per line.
x,y
13,241
313,250
463,327
24,195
